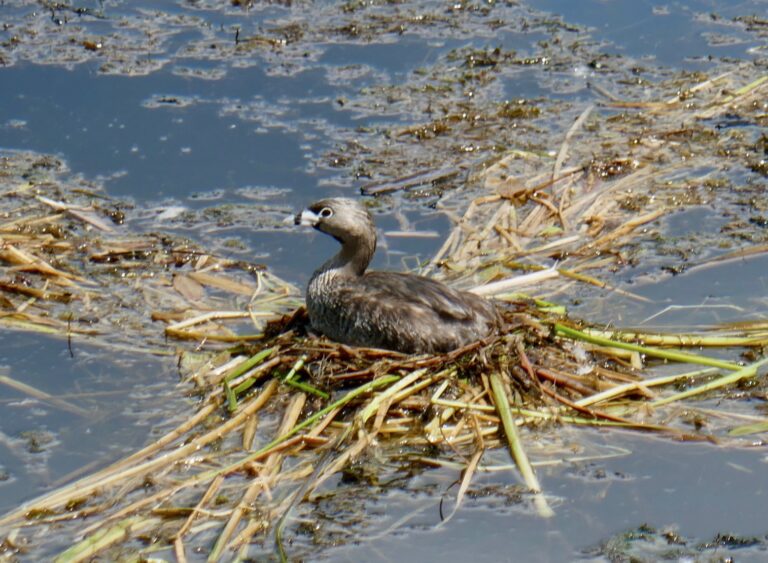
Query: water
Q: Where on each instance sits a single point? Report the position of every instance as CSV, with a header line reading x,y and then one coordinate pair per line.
x,y
676,34
158,153
201,130
693,489
109,407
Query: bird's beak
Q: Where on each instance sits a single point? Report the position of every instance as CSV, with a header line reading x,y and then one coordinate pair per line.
x,y
306,218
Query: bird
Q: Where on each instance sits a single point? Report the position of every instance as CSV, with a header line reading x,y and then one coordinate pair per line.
x,y
395,311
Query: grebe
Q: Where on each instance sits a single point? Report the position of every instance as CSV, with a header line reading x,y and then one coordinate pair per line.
x,y
395,311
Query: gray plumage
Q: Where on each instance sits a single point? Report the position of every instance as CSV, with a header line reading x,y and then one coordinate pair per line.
x,y
396,311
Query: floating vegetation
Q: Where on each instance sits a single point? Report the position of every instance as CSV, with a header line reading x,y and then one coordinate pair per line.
x,y
138,38
587,215
664,544
68,269
281,413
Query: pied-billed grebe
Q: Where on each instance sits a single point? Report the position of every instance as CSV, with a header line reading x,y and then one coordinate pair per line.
x,y
396,311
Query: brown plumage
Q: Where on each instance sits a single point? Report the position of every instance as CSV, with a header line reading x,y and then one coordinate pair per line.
x,y
396,311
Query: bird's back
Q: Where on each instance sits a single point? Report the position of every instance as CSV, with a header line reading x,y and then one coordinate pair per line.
x,y
398,311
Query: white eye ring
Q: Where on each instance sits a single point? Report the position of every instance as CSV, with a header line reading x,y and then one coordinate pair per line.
x,y
326,213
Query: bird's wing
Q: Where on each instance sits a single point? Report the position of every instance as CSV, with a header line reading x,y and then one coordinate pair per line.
x,y
415,290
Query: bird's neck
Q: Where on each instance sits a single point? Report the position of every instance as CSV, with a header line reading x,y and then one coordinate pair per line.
x,y
353,258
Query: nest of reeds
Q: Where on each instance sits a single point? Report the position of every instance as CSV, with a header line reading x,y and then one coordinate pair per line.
x,y
281,412
279,418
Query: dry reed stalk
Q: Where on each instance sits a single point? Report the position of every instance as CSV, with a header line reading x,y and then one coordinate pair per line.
x,y
466,479
222,282
214,373
149,503
212,489
249,432
639,386
58,402
123,471
269,471
628,227
27,262
562,153
256,373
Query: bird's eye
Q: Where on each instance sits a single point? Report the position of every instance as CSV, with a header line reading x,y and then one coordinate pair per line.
x,y
326,213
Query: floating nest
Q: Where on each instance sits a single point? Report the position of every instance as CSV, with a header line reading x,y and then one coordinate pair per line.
x,y
220,480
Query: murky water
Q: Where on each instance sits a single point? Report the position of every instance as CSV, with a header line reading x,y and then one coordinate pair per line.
x,y
272,129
